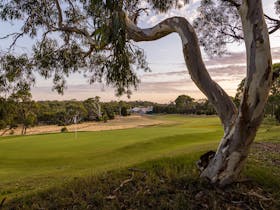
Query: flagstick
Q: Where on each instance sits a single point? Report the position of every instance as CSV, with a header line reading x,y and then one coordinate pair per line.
x,y
75,122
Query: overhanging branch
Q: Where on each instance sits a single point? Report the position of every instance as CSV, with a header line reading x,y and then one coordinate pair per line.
x,y
193,58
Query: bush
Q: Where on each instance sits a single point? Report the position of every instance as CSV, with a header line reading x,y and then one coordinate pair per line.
x,y
64,129
2,124
12,132
110,113
277,114
105,118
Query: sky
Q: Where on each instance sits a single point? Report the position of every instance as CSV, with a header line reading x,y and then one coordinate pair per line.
x,y
169,76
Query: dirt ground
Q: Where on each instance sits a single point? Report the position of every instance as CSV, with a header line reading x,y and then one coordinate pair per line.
x,y
132,121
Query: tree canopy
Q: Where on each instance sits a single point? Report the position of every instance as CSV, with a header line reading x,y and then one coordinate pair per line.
x,y
91,36
219,24
74,36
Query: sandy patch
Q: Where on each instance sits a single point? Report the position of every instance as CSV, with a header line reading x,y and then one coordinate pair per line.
x,y
118,123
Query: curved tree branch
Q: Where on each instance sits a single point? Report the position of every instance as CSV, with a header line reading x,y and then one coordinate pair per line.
x,y
60,17
193,58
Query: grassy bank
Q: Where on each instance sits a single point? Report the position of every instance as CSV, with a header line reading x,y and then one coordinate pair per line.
x,y
36,162
166,183
58,171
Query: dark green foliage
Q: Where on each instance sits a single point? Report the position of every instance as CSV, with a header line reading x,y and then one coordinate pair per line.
x,y
19,109
4,113
24,108
63,130
275,89
124,108
277,114
86,36
92,37
239,92
93,108
105,118
16,73
185,104
165,5
109,111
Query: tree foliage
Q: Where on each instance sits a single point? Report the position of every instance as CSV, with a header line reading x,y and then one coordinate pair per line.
x,y
219,24
76,35
90,36
93,107
25,108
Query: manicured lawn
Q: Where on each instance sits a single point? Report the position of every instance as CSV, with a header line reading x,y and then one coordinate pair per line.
x,y
29,163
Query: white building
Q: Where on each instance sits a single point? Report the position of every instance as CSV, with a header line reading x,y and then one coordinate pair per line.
x,y
142,110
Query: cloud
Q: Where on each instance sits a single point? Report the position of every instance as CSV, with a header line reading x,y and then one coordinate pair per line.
x,y
162,87
189,11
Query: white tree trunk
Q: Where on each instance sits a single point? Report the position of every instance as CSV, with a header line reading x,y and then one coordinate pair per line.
x,y
240,127
230,157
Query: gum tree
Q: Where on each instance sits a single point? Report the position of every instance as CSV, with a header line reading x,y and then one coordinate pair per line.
x,y
98,38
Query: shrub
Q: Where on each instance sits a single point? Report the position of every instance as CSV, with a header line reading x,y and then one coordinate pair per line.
x,y
64,129
277,114
105,118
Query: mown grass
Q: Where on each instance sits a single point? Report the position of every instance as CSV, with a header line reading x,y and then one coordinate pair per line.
x,y
58,171
29,163
166,183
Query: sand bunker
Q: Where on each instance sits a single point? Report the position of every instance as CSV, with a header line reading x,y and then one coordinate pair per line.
x,y
118,123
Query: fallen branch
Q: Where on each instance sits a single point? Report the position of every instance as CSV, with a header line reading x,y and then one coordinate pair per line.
x,y
124,182
112,197
2,202
261,197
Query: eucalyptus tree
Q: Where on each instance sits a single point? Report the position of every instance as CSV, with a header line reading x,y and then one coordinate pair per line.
x,y
25,108
8,113
184,104
98,38
93,107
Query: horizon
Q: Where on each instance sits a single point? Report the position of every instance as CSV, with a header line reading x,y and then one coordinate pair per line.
x,y
160,86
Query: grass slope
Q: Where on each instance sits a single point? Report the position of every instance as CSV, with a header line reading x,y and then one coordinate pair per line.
x,y
169,182
29,163
166,183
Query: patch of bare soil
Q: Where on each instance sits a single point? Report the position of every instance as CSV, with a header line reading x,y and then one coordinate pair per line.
x,y
132,121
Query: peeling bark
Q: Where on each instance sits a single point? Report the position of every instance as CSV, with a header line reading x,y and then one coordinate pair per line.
x,y
231,155
239,127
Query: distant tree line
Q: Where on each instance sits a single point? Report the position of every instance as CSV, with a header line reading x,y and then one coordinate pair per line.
x,y
18,109
186,105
